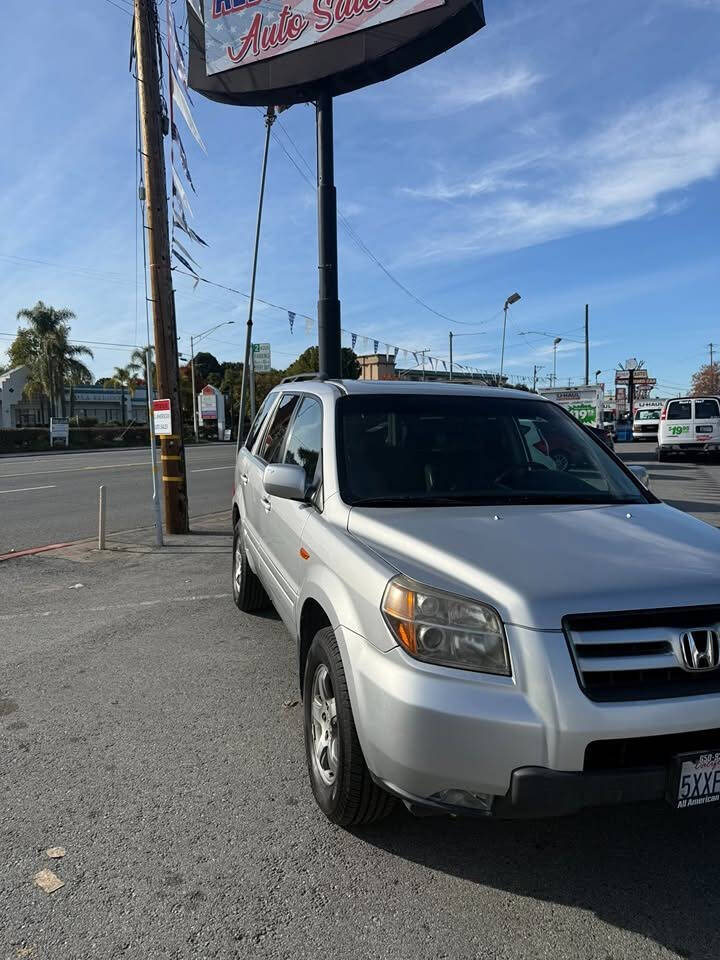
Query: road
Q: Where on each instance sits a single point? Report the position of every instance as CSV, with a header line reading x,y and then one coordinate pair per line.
x,y
52,498
690,485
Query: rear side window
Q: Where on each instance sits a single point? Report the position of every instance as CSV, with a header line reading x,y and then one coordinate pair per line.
x,y
260,418
705,409
272,442
305,440
679,410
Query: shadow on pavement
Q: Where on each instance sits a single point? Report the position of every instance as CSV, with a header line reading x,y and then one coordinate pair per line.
x,y
643,869
211,533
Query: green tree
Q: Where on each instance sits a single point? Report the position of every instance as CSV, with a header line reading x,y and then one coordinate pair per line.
x,y
122,377
44,347
308,362
205,364
137,364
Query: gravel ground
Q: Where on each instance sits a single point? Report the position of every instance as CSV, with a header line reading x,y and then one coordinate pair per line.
x,y
154,733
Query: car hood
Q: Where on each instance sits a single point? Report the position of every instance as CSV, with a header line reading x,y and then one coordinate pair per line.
x,y
535,564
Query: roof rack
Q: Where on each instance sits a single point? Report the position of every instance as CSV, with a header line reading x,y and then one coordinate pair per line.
x,y
304,376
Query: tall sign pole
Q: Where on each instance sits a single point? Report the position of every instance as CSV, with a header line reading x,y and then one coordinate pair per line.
x,y
172,453
328,302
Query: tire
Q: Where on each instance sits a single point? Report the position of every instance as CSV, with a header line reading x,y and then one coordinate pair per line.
x,y
248,593
339,777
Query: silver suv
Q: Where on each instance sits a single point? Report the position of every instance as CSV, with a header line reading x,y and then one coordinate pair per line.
x,y
477,630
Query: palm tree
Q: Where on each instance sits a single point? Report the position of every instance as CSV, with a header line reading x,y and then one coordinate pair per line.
x,y
137,363
44,347
122,377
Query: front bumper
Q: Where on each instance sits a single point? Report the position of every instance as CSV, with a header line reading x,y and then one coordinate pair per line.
x,y
536,792
520,742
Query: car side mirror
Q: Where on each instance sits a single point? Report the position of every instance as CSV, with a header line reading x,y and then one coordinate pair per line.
x,y
285,480
641,474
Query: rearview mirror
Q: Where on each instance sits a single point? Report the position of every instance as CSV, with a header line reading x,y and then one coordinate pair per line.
x,y
641,474
285,480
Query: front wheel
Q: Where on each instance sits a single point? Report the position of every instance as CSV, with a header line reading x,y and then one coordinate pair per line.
x,y
661,455
339,777
248,593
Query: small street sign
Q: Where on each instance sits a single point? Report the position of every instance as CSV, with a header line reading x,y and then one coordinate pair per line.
x,y
162,418
261,357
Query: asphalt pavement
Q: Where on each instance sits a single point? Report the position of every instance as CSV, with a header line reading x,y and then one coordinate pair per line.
x,y
154,733
53,497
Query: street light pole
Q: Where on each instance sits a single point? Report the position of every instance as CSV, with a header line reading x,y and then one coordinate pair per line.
x,y
451,340
513,298
194,395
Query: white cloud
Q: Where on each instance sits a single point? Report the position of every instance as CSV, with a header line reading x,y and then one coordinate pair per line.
x,y
448,92
627,169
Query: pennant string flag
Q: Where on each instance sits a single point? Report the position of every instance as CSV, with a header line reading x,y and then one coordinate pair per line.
x,y
185,253
291,320
183,155
376,344
308,325
353,340
184,108
185,263
179,192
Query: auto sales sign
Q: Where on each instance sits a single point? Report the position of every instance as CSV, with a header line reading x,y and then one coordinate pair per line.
x,y
241,32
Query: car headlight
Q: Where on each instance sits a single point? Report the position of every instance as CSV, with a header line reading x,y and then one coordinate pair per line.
x,y
441,628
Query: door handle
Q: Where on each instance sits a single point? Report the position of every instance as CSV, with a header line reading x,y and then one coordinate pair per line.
x,y
266,503
243,479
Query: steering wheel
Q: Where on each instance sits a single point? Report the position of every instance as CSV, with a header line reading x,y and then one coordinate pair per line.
x,y
518,471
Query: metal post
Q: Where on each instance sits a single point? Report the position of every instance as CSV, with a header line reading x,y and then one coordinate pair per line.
x,y
252,386
554,363
269,120
328,302
587,344
194,395
502,352
534,376
101,519
451,339
153,451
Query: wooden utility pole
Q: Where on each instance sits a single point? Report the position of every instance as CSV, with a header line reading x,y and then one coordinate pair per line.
x,y
172,453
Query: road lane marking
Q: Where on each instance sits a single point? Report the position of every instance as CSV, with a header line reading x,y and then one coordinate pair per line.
x,y
106,466
229,466
48,486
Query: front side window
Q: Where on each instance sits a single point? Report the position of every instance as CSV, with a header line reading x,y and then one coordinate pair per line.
x,y
259,421
706,409
272,442
679,410
305,441
434,450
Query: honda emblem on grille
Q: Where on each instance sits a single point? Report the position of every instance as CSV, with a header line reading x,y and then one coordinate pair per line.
x,y
700,649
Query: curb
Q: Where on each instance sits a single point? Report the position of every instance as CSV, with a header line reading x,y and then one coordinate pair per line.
x,y
31,551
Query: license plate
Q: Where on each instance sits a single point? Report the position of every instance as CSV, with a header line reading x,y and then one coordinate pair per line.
x,y
704,428
694,780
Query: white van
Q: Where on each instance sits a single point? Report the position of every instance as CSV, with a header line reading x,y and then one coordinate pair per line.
x,y
689,424
646,419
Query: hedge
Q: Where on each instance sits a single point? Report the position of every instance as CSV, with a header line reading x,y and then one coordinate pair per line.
x,y
38,438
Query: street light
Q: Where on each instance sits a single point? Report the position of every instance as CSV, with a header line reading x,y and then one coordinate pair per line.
x,y
556,341
193,340
513,298
597,374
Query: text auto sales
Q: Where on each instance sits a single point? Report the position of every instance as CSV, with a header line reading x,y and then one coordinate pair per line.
x,y
289,26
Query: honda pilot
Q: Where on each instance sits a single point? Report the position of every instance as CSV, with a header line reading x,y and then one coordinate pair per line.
x,y
477,630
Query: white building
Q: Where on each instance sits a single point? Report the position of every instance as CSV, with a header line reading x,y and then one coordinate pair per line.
x,y
12,384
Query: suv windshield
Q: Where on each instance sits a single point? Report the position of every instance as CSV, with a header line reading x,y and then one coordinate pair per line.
x,y
430,450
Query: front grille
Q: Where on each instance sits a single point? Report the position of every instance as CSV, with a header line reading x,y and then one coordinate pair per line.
x,y
636,752
637,655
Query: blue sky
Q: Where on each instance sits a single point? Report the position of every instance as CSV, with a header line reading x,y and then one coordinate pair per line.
x,y
568,151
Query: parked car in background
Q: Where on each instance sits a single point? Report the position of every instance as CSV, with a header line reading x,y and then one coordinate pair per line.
x,y
689,425
454,648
